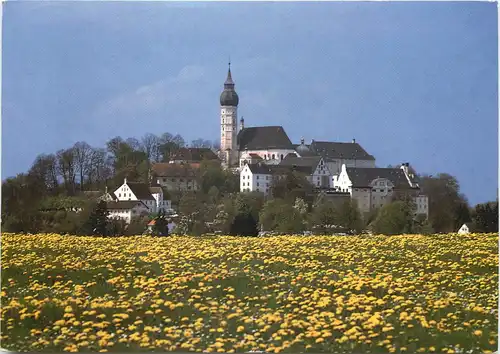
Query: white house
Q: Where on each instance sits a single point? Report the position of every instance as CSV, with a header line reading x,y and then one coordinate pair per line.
x,y
162,203
464,230
374,187
256,178
152,197
176,176
126,209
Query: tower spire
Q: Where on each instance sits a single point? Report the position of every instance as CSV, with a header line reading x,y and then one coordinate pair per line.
x,y
229,80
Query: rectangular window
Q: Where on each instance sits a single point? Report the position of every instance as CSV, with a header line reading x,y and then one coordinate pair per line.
x,y
119,194
164,180
267,177
258,176
257,184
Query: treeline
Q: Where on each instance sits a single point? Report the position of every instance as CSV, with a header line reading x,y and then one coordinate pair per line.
x,y
295,208
37,201
42,199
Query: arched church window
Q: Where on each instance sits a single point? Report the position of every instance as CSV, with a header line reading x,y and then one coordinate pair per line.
x,y
273,156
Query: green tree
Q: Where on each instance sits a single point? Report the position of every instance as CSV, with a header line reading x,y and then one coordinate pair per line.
x,y
394,218
137,226
280,216
244,224
191,207
290,185
301,206
21,196
370,217
98,220
117,227
445,202
222,222
485,217
349,216
249,202
160,227
422,226
210,174
323,216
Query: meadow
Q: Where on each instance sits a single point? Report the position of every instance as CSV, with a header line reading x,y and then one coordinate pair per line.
x,y
373,294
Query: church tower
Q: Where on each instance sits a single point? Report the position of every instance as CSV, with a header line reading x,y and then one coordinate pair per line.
x,y
228,121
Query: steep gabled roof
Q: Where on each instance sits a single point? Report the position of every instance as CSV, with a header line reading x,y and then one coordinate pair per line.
x,y
194,154
335,150
303,164
140,190
265,169
291,160
173,170
263,138
362,177
124,204
260,168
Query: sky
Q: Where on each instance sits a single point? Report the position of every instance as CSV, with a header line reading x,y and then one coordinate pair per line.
x,y
411,82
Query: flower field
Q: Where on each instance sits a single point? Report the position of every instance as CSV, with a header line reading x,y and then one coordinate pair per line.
x,y
316,294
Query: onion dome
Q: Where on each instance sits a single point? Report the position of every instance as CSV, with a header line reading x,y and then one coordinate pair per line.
x,y
229,97
302,149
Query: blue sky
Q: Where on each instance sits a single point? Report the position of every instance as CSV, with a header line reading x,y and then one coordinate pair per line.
x,y
412,82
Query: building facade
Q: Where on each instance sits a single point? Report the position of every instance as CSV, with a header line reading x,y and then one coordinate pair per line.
x,y
373,188
176,177
152,197
126,209
256,178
